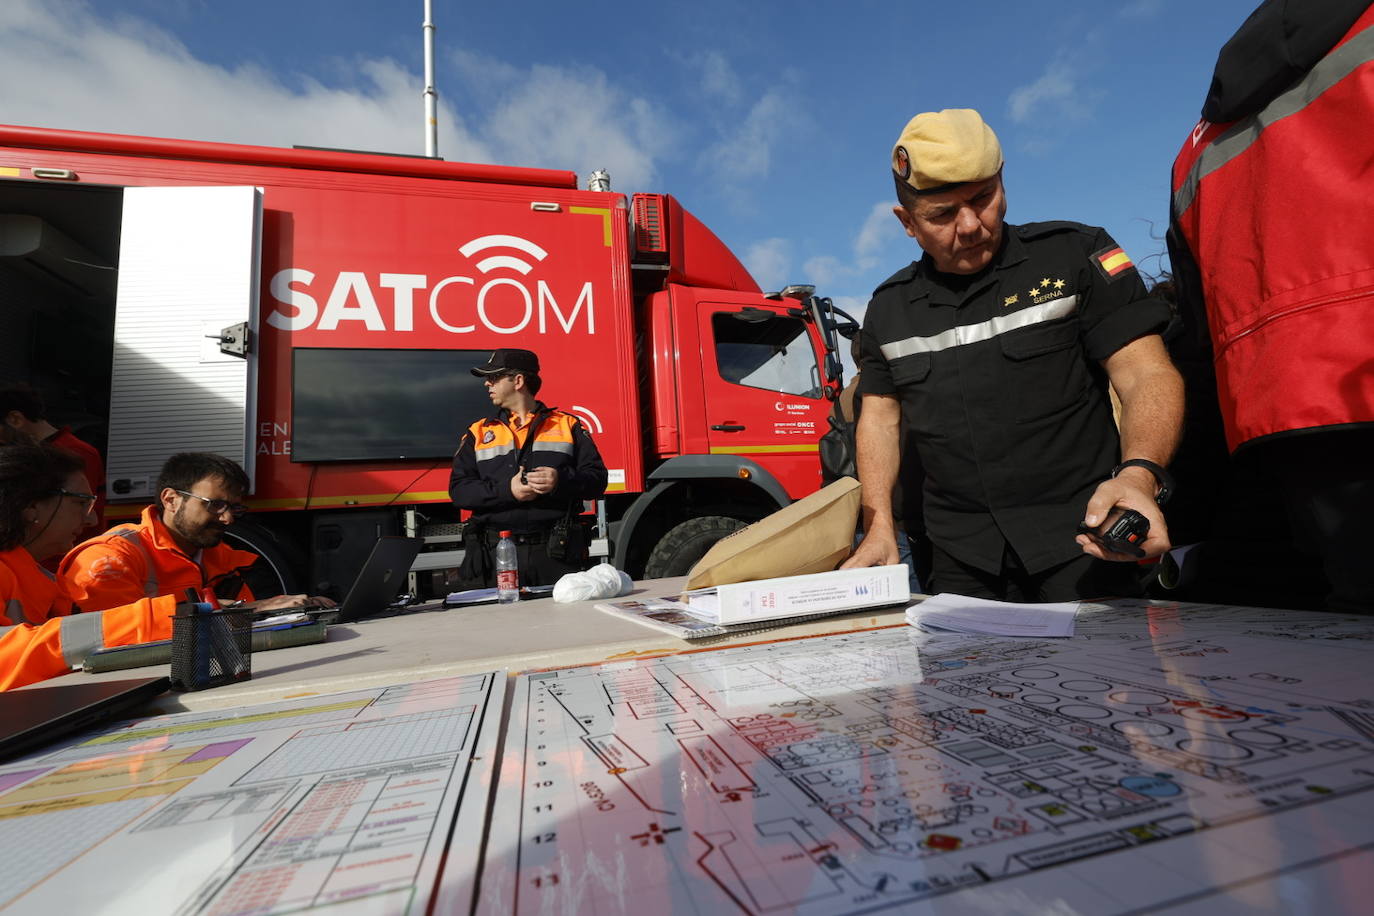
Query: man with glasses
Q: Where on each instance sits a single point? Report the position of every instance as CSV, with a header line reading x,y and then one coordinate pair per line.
x,y
525,468
177,544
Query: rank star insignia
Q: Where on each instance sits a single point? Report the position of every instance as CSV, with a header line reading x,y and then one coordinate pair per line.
x,y
1012,299
1045,281
1058,284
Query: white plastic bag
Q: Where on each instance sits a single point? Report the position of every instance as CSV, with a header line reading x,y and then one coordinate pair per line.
x,y
604,581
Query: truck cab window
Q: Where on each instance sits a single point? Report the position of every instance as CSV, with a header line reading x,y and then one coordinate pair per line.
x,y
773,353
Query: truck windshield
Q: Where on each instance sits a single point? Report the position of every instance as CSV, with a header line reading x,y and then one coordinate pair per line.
x,y
773,353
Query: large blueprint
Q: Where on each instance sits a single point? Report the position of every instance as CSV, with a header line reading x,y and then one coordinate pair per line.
x,y
345,803
1167,757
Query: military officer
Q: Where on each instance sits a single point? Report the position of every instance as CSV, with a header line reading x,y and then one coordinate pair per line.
x,y
997,347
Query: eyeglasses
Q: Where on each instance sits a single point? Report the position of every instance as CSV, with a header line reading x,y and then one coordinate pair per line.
x,y
219,506
87,499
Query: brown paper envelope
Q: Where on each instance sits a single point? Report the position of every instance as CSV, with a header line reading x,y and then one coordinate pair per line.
x,y
814,534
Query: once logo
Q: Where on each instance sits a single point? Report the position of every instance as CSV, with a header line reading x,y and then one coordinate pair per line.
x,y
501,303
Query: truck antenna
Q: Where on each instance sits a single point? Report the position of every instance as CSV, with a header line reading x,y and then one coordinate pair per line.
x,y
431,95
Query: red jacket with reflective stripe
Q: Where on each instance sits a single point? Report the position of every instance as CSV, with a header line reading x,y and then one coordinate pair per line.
x,y
129,562
1275,210
30,653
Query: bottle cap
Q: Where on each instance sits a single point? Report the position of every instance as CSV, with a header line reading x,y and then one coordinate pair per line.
x,y
505,534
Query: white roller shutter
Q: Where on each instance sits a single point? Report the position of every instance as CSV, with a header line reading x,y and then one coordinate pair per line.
x,y
188,267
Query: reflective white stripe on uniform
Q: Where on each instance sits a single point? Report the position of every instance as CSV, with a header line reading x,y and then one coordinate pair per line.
x,y
82,634
493,451
15,612
4,630
541,445
1330,70
984,330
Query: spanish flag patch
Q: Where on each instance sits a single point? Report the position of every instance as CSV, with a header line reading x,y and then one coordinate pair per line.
x,y
1112,261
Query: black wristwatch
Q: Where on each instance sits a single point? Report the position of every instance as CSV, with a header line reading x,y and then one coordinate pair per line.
x,y
1162,477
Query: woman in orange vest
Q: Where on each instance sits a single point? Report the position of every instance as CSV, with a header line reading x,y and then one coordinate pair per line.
x,y
45,502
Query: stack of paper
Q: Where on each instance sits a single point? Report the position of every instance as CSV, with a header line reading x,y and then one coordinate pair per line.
x,y
959,614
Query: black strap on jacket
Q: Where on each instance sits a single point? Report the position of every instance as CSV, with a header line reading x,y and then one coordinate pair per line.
x,y
528,444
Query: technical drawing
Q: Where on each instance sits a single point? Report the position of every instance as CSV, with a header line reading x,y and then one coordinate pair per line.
x,y
856,772
345,801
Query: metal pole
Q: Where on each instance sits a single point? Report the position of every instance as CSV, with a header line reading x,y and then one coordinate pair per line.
x,y
431,95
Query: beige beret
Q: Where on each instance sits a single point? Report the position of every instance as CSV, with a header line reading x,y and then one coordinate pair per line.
x,y
938,149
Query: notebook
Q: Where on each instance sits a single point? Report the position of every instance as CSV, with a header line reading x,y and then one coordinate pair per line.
x,y
35,716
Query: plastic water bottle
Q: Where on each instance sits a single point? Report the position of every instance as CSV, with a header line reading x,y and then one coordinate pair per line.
x,y
507,571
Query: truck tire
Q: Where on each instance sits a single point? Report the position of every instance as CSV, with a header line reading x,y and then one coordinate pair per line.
x,y
678,551
273,574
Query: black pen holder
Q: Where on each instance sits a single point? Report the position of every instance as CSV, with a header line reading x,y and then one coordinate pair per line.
x,y
210,648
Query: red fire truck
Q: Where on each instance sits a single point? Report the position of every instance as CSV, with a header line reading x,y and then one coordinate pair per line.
x,y
314,313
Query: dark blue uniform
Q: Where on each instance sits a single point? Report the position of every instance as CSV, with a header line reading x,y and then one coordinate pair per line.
x,y
1000,382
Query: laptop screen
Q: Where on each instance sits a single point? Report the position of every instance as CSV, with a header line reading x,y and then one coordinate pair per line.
x,y
36,716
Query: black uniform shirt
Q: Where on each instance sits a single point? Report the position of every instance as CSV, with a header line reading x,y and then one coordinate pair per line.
x,y
1000,382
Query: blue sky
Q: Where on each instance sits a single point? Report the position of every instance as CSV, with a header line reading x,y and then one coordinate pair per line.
x,y
772,121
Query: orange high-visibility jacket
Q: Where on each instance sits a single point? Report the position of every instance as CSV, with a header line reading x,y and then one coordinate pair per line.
x,y
142,561
61,640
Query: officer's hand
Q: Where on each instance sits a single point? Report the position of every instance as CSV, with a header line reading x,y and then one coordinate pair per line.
x,y
285,601
1133,488
543,480
522,491
878,548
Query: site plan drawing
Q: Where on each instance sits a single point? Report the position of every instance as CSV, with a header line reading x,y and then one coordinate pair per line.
x,y
1166,755
345,803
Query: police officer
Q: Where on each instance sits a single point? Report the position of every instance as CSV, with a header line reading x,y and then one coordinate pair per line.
x,y
997,347
525,468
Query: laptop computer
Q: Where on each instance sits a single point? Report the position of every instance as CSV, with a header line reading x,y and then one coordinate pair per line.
x,y
378,583
32,717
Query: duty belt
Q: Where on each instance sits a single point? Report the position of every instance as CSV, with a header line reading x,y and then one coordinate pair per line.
x,y
491,536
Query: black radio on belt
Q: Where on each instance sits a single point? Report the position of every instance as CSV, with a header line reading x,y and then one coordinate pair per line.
x,y
1122,532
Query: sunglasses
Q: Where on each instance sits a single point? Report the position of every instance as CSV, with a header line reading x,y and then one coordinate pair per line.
x,y
219,506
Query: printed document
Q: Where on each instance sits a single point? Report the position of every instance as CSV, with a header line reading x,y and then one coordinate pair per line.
x,y
960,614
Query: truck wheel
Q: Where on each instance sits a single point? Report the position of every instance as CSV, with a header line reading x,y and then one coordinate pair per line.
x,y
273,573
686,543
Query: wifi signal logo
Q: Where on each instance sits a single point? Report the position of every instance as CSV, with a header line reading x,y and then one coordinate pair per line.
x,y
508,261
588,418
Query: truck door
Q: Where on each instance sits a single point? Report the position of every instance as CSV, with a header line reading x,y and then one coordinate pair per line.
x,y
763,389
188,268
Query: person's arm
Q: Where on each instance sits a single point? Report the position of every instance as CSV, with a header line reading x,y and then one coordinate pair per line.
x,y
585,479
878,456
470,490
589,477
29,654
1151,393
103,574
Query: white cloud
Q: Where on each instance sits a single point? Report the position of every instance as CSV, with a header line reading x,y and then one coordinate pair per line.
x,y
718,77
556,117
745,151
879,229
823,270
769,262
1141,9
61,66
1056,91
